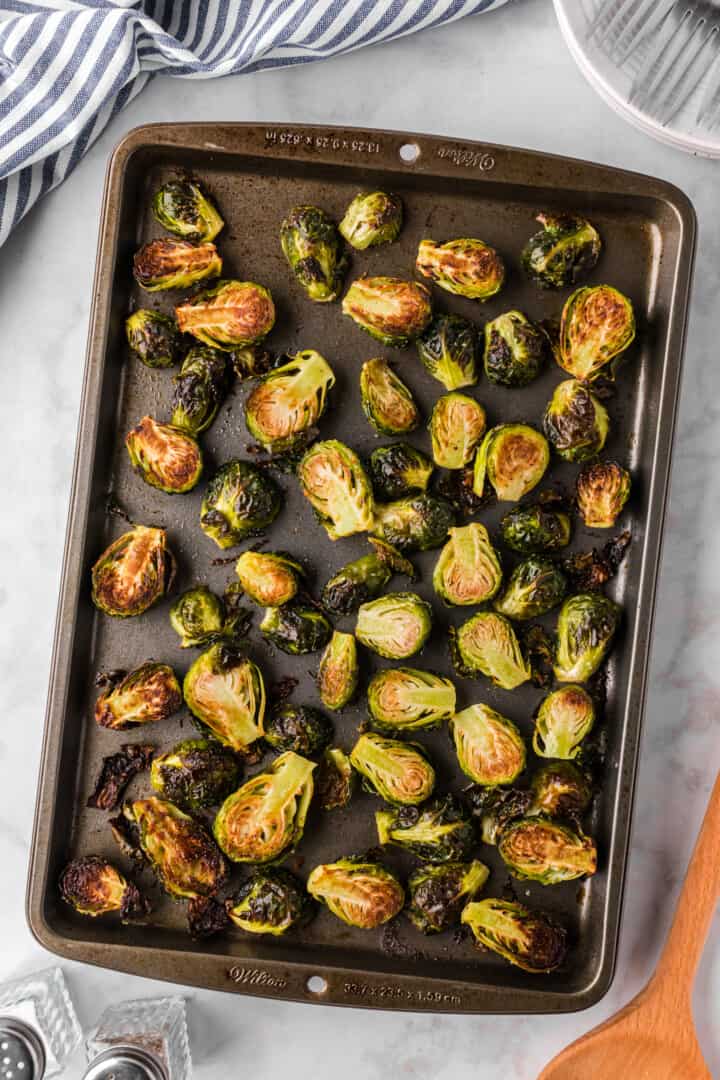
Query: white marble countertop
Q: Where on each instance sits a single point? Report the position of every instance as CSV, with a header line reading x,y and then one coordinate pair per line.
x,y
505,77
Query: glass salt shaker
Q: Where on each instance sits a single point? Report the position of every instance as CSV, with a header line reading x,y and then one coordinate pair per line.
x,y
39,1030
140,1040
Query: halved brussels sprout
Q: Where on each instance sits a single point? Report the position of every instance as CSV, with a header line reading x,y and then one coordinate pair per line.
x,y
231,314
536,529
496,807
364,578
386,400
269,902
457,424
313,248
150,692
226,692
486,645
515,349
597,324
287,402
602,490
372,218
133,573
334,779
93,886
438,893
200,388
197,616
575,422
338,672
405,699
489,747
336,485
154,338
513,459
391,310
174,264
538,849
438,832
195,774
164,456
397,771
415,523
300,728
468,570
183,208
398,470
266,815
396,625
449,351
563,720
241,500
564,249
116,772
361,893
560,790
296,629
268,578
535,587
585,630
523,937
465,267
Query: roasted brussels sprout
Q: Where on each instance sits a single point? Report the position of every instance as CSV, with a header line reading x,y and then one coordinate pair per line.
x,y
362,894
398,470
513,459
575,422
197,617
183,208
93,886
496,807
200,388
415,523
597,324
562,251
535,587
364,578
486,645
241,500
230,315
602,490
164,456
536,529
468,570
336,485
560,790
252,361
300,728
489,747
465,267
391,310
288,401
396,625
563,720
449,351
195,774
586,627
226,692
440,831
133,573
174,264
268,578
386,400
397,771
589,570
296,629
313,248
116,773
523,937
334,779
154,338
269,902
438,893
372,218
515,350
150,692
538,849
338,671
457,424
405,699
266,815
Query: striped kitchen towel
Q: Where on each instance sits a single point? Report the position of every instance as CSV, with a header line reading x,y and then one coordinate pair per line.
x,y
67,66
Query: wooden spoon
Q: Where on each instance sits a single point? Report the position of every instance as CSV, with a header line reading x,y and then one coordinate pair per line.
x,y
653,1038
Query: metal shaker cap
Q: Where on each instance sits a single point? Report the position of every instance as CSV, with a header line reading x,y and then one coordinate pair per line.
x,y
22,1054
126,1063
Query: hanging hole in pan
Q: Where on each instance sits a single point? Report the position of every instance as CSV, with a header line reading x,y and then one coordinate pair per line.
x,y
409,153
316,984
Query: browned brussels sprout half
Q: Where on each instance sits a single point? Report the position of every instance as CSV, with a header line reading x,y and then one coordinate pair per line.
x,y
575,422
200,389
164,456
536,529
562,251
535,587
468,570
296,629
336,485
415,523
195,774
406,699
300,728
226,692
372,218
538,849
602,490
457,424
313,248
527,939
465,267
364,578
285,405
597,324
150,692
266,815
439,893
386,400
133,573
175,264
231,314
241,500
361,893
391,310
154,338
440,831
396,625
93,886
338,672
486,645
334,779
116,773
489,747
563,720
268,578
397,771
585,630
560,790
197,617
512,458
449,351
398,470
515,350
184,209
269,902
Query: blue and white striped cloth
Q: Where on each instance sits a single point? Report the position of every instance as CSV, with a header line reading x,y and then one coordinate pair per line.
x,y
67,66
